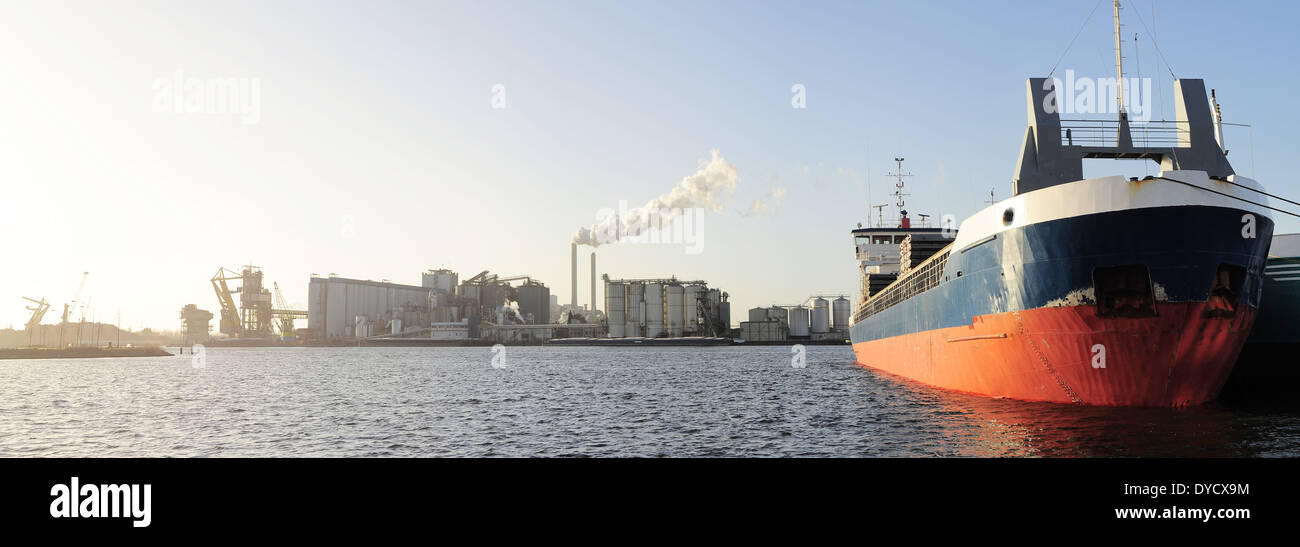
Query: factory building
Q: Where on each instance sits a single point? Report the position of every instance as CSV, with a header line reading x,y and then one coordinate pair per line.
x,y
665,308
441,281
197,324
442,307
339,307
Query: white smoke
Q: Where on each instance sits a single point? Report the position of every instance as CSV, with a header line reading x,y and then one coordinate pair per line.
x,y
710,187
512,310
766,204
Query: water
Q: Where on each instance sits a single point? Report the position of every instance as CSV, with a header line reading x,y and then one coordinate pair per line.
x,y
569,401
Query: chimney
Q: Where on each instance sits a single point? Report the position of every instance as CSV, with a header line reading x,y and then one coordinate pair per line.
x,y
593,281
573,271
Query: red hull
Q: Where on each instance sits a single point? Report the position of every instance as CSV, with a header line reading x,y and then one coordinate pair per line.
x,y
1047,354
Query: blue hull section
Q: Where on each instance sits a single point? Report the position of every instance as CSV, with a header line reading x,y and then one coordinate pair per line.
x,y
1052,263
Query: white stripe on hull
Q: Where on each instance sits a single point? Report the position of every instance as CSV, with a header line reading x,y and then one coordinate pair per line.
x,y
1107,194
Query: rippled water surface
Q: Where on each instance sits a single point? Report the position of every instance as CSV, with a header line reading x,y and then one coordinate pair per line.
x,y
569,401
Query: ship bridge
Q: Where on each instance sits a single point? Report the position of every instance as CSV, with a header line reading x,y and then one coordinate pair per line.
x,y
1054,149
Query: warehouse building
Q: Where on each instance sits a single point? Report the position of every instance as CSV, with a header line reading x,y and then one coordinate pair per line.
x,y
339,307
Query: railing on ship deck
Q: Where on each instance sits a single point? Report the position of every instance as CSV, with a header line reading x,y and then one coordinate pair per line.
x,y
1154,134
923,277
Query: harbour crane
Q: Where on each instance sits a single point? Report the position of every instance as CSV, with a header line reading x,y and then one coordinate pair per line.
x,y
230,323
38,313
284,315
63,322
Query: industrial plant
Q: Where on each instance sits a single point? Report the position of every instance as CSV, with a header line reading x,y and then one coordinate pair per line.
x,y
484,308
825,321
665,308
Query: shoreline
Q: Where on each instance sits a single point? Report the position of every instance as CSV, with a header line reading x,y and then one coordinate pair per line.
x,y
82,353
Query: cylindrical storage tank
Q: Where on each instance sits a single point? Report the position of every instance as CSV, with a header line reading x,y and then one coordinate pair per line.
x,y
654,310
691,306
635,296
780,314
798,321
715,298
673,303
396,325
821,316
535,300
840,312
758,314
616,309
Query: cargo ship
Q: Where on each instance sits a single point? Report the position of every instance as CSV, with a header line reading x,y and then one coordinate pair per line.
x,y
1098,291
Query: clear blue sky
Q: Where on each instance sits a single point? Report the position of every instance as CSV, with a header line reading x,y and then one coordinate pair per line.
x,y
380,113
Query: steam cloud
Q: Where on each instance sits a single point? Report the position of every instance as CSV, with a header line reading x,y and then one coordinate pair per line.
x,y
512,310
710,187
766,204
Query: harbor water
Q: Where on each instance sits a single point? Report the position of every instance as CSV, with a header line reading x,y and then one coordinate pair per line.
x,y
570,401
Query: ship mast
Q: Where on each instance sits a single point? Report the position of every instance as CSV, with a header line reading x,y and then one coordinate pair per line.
x,y
1119,62
898,192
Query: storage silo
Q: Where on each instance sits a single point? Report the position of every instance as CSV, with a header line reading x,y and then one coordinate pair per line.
x,y
798,321
535,299
821,316
840,311
654,310
691,307
673,305
714,297
616,309
724,315
635,309
758,314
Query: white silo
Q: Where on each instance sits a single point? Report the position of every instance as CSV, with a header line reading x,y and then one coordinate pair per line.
x,y
798,321
635,309
654,310
616,308
821,316
691,307
840,311
673,304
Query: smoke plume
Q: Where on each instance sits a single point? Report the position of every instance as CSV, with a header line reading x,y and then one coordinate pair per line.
x,y
710,187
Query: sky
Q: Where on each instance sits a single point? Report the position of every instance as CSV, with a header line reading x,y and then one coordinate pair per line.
x,y
393,137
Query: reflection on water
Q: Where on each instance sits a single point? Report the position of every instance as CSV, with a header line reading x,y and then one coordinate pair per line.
x,y
983,426
571,401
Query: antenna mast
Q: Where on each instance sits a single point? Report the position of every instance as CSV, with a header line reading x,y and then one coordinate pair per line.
x,y
1119,62
880,215
898,192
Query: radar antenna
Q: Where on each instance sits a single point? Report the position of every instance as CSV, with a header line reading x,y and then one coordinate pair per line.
x,y
898,192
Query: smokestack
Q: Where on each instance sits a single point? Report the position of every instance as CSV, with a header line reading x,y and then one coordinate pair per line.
x,y
593,281
573,271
